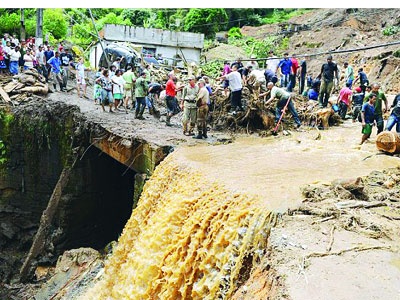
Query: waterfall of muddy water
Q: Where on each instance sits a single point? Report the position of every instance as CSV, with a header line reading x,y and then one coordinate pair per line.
x,y
206,208
187,239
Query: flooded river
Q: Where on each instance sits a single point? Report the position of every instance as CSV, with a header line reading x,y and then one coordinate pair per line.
x,y
275,167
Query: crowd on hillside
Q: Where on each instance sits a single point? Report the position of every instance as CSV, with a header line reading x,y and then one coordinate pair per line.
x,y
133,88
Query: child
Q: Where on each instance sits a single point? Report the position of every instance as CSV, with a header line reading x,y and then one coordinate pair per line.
x,y
357,100
367,117
97,88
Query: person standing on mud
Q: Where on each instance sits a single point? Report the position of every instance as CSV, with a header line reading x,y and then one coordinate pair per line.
x,y
106,90
141,88
202,109
80,78
170,98
235,85
285,66
367,117
394,118
188,104
348,74
364,82
118,89
283,98
66,60
357,101
293,73
343,100
329,71
302,75
55,63
129,78
380,97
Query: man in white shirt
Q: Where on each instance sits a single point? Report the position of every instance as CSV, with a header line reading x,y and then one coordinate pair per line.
x,y
235,85
80,77
41,59
272,62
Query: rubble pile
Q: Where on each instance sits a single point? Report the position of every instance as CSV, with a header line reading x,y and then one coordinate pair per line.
x,y
26,86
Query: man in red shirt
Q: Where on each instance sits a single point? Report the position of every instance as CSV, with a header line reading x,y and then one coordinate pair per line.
x,y
343,100
170,99
293,73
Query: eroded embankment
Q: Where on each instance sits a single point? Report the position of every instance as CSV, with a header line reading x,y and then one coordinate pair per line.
x,y
37,141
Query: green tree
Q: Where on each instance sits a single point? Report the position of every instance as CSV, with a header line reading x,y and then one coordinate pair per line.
x,y
137,17
207,20
55,23
10,23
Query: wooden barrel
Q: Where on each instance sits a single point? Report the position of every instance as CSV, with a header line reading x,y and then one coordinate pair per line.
x,y
388,141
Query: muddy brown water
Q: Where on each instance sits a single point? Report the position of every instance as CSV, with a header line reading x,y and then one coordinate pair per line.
x,y
275,168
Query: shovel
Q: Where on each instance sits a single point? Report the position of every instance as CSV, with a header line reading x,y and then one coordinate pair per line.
x,y
274,131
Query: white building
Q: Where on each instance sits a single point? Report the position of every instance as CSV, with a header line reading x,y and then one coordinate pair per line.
x,y
174,47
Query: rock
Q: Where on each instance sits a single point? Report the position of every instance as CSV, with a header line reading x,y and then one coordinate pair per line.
x,y
8,230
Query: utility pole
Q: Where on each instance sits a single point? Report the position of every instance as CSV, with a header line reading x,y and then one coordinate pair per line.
x,y
98,36
23,32
39,27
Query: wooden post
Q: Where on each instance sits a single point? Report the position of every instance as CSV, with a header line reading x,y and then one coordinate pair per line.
x,y
46,220
23,32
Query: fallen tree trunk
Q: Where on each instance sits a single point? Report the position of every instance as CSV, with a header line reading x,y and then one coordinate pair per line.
x,y
388,141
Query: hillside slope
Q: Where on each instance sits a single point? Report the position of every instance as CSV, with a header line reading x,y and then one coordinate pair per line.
x,y
340,29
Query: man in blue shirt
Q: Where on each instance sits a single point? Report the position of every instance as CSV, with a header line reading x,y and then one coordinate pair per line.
x,y
394,117
367,117
49,53
55,63
285,66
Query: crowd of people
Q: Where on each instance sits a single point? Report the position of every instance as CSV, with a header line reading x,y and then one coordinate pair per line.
x,y
278,80
132,87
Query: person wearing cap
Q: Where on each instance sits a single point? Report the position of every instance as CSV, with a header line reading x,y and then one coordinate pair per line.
x,y
202,100
348,74
357,101
329,71
253,63
141,88
188,104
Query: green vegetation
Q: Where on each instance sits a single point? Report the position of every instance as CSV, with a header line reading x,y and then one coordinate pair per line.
x,y
6,120
234,32
391,30
282,15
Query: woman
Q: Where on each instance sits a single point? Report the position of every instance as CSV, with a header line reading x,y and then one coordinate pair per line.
x,y
28,58
118,88
106,90
2,60
14,59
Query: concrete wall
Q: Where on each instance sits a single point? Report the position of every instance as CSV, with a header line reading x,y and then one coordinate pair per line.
x,y
152,36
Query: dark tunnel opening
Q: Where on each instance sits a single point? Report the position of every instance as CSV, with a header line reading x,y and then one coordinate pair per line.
x,y
96,204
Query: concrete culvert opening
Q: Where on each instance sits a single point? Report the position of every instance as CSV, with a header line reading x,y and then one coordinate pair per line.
x,y
96,204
